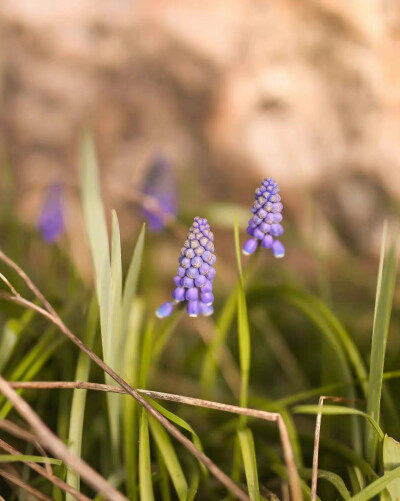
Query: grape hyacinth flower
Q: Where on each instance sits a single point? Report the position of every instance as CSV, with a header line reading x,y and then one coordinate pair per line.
x,y
51,220
264,227
196,273
160,184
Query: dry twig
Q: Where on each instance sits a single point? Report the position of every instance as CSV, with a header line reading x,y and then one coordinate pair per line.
x,y
51,442
44,473
51,315
233,409
17,481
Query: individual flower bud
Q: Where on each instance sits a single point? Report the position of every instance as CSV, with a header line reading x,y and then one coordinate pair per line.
x,y
193,308
206,309
278,249
51,220
195,274
192,294
265,225
165,310
179,294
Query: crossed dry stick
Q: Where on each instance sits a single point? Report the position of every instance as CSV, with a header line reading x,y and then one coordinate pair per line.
x,y
50,441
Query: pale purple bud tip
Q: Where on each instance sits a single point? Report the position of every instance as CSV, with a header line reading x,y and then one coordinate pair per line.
x,y
278,249
165,310
193,308
206,309
250,246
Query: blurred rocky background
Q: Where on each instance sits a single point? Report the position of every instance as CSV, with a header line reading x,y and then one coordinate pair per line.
x,y
230,91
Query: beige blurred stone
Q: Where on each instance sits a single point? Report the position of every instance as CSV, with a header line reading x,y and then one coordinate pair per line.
x,y
306,91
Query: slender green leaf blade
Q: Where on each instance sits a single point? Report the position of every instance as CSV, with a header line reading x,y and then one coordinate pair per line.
x,y
22,458
250,463
377,486
391,460
338,410
170,458
383,307
145,476
79,400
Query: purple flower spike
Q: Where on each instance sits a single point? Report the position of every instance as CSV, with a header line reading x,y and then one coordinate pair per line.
x,y
196,273
264,226
160,184
51,220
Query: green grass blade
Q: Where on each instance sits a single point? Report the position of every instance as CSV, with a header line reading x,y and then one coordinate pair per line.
x,y
391,460
377,486
338,410
332,478
130,406
18,458
79,399
383,308
250,463
96,228
171,460
164,487
114,343
182,423
145,475
243,329
132,279
194,485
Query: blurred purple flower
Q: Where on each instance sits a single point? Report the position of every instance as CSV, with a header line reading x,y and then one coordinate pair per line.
x,y
51,220
264,227
160,184
196,273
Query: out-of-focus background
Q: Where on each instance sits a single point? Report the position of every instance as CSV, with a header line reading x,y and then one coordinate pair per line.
x,y
191,104
229,91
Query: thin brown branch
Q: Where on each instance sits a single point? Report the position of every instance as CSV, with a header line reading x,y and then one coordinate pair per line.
x,y
254,413
51,442
317,435
53,317
44,473
17,481
17,431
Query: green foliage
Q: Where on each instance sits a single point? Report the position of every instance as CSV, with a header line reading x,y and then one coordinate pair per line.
x,y
129,447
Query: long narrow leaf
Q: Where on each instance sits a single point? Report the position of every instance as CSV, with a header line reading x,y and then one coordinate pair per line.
x,y
171,460
250,463
383,307
145,476
79,400
377,486
338,410
391,460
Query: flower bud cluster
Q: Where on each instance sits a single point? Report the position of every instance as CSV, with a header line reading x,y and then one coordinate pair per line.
x,y
264,227
196,273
